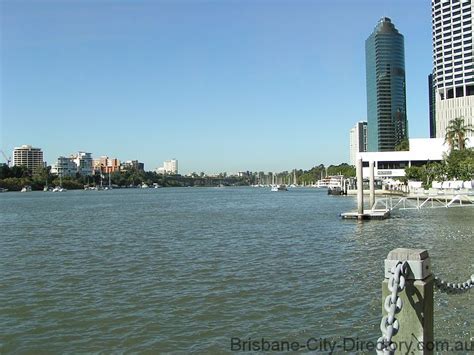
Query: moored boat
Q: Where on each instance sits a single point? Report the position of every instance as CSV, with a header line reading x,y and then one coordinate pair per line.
x,y
280,187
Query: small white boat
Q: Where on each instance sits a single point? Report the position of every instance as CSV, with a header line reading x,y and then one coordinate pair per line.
x,y
59,189
144,186
281,187
26,189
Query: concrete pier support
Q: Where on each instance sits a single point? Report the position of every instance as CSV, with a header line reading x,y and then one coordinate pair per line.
x,y
360,189
372,184
415,319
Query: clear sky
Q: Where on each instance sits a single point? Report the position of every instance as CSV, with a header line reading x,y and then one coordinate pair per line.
x,y
223,85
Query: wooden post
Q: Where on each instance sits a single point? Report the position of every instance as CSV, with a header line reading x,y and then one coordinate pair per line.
x,y
416,316
372,184
360,189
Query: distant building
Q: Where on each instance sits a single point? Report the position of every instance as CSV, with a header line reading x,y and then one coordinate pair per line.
x,y
132,164
64,167
106,165
28,156
386,96
453,69
84,163
169,167
357,140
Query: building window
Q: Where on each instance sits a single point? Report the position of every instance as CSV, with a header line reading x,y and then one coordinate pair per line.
x,y
469,90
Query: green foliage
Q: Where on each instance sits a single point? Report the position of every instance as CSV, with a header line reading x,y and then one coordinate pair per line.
x,y
342,169
404,145
416,173
458,165
456,133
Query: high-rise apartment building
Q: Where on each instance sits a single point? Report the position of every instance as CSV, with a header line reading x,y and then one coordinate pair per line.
x,y
453,70
386,89
357,140
28,156
171,166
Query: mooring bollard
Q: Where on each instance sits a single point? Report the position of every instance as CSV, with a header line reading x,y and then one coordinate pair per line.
x,y
407,303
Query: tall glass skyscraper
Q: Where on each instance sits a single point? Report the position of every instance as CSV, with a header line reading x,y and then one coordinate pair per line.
x,y
453,67
386,92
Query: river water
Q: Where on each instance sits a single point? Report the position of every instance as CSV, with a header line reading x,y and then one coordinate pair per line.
x,y
188,269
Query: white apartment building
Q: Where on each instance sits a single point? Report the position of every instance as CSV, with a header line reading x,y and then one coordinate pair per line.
x,y
357,140
171,166
453,70
84,163
28,156
64,167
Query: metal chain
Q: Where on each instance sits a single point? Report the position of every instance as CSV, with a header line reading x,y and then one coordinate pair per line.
x,y
393,304
450,287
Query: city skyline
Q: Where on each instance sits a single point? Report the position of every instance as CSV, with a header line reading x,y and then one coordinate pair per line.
x,y
275,87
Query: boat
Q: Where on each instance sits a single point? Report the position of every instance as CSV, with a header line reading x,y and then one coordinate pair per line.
x,y
335,186
144,186
280,187
323,183
3,190
60,187
26,189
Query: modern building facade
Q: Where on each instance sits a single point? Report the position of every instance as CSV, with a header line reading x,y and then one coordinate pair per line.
x,y
432,106
387,124
64,166
392,164
106,165
84,163
132,164
171,166
453,70
28,156
357,140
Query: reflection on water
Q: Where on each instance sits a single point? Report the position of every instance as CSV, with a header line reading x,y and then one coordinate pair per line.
x,y
188,269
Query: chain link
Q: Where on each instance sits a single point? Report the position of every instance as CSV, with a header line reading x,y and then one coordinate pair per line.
x,y
450,287
393,304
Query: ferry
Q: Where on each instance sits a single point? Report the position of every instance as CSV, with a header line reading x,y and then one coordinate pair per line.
x,y
336,185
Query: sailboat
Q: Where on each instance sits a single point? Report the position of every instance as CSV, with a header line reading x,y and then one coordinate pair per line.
x,y
60,187
278,187
46,188
110,184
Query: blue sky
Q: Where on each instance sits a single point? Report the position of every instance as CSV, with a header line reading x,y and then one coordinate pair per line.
x,y
219,85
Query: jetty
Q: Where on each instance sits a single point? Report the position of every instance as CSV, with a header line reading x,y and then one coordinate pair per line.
x,y
372,212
